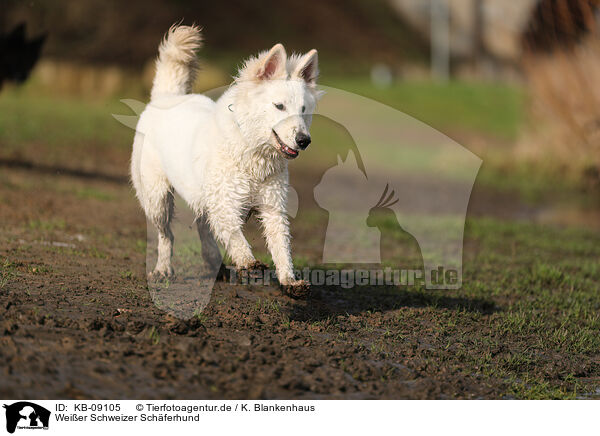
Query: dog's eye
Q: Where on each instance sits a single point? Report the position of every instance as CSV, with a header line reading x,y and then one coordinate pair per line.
x,y
279,106
303,109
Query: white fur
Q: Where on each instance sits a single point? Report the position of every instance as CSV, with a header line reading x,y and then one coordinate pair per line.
x,y
222,157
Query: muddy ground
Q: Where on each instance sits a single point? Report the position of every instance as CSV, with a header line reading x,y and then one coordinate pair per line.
x,y
77,321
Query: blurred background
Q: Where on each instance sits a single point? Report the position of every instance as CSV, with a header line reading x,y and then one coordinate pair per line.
x,y
513,82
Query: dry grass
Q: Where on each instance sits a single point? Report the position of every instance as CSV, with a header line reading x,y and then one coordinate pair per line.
x,y
565,106
65,78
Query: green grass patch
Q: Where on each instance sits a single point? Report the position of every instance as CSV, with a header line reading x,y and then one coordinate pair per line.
x,y
60,122
486,108
47,225
7,271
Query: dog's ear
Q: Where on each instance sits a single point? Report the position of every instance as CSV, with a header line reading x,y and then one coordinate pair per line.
x,y
274,64
308,68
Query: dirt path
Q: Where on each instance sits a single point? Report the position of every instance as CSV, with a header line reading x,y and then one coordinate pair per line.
x,y
76,319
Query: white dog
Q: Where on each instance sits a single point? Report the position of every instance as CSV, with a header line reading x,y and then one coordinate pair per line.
x,y
227,157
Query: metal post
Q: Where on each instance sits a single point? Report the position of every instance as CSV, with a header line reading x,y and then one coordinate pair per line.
x,y
478,23
440,39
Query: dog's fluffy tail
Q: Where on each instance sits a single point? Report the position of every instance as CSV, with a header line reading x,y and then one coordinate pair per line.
x,y
177,61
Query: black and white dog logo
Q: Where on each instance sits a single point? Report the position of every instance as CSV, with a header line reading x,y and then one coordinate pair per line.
x,y
26,415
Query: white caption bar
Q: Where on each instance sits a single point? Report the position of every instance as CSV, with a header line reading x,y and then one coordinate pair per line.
x,y
22,417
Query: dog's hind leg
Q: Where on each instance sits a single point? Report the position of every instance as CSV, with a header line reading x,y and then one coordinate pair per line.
x,y
156,197
210,250
161,218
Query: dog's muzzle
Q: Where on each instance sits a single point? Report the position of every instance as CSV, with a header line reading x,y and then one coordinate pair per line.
x,y
287,152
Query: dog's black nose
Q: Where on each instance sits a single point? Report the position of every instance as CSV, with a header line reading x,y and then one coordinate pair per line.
x,y
302,139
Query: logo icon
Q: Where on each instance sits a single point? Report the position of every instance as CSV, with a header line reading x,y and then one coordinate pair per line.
x,y
26,415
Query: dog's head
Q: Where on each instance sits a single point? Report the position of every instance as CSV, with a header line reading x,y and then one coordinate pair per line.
x,y
275,100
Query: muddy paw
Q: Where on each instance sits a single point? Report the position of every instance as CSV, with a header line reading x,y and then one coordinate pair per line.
x,y
254,271
161,276
299,289
257,265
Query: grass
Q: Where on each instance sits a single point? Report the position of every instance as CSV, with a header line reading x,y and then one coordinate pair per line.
x,y
154,335
43,127
30,115
548,290
492,109
59,122
528,312
128,275
7,271
47,225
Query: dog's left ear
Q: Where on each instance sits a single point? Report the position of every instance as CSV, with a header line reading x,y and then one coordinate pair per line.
x,y
308,68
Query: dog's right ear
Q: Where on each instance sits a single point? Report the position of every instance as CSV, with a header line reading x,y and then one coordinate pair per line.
x,y
308,68
273,65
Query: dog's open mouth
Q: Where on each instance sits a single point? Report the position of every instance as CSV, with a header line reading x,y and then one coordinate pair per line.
x,y
288,152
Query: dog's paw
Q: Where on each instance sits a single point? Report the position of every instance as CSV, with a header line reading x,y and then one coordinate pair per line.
x,y
161,275
253,267
253,271
257,265
297,289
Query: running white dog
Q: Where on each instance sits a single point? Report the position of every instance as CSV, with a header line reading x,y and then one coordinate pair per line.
x,y
227,157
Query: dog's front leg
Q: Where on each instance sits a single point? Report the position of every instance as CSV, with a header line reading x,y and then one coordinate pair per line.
x,y
277,234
